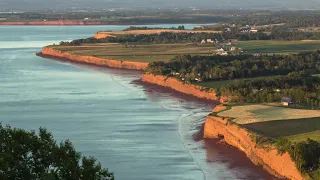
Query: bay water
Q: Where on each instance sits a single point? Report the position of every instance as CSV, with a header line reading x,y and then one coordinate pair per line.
x,y
138,131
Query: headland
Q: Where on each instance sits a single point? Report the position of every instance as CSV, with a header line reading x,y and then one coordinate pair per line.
x,y
200,64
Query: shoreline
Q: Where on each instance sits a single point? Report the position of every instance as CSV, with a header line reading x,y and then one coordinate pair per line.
x,y
214,127
56,23
223,128
86,65
53,53
83,23
175,84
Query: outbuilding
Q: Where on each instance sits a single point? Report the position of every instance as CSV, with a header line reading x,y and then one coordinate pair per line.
x,y
286,101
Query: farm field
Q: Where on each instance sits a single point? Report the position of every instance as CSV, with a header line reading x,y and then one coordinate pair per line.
x,y
139,52
275,46
277,122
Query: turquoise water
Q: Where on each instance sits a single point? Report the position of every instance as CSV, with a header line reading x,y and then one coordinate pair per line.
x,y
137,131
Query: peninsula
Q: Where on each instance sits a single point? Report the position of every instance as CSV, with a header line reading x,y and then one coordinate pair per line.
x,y
258,92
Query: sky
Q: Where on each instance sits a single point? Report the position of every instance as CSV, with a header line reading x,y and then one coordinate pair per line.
x,y
105,4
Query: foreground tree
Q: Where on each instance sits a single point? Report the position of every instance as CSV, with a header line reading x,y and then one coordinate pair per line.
x,y
36,156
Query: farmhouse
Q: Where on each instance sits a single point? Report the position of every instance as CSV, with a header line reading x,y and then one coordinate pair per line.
x,y
286,101
222,52
209,41
253,30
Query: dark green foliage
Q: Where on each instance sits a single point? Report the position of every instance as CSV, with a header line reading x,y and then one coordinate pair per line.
x,y
305,154
164,37
283,145
291,19
289,75
283,33
150,28
27,156
261,141
298,87
234,67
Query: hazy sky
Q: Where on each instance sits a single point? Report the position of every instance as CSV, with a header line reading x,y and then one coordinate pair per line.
x,y
225,4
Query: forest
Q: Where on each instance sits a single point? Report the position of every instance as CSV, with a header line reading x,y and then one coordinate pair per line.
x,y
300,87
217,67
291,19
277,33
164,37
306,155
124,16
282,75
150,28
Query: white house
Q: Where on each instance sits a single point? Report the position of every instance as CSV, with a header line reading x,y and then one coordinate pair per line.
x,y
209,41
221,50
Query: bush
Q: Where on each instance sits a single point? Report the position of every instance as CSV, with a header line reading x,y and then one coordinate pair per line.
x,y
28,156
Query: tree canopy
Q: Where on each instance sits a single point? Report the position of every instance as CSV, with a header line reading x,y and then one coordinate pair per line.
x,y
36,156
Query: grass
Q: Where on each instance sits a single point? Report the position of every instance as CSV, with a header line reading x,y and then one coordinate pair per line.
x,y
295,130
276,46
315,135
140,52
228,107
277,121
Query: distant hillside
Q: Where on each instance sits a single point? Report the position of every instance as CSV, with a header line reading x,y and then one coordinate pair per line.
x,y
101,4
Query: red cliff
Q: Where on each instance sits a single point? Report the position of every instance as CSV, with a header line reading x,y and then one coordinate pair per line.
x,y
233,134
47,51
101,35
177,85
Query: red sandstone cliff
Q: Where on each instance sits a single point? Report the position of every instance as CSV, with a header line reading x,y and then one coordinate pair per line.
x,y
215,127
177,85
280,165
101,35
94,60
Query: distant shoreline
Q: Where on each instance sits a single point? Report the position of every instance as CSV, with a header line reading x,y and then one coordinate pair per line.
x,y
83,23
60,23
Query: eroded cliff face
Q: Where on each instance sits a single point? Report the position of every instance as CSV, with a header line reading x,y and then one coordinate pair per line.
x,y
279,165
94,60
101,35
177,85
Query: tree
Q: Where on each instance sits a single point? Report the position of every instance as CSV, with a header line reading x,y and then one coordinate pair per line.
x,y
31,156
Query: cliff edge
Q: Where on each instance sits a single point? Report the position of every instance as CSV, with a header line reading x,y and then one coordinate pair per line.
x,y
233,134
177,85
101,35
48,51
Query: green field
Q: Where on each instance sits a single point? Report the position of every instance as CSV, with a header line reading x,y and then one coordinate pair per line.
x,y
139,52
295,130
276,121
275,46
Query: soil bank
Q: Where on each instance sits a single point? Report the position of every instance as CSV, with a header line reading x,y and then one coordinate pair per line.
x,y
233,134
48,51
215,127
